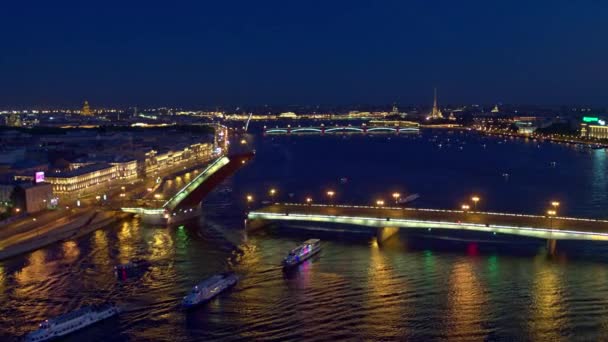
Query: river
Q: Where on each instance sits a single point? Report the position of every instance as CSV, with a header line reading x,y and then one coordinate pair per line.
x,y
408,289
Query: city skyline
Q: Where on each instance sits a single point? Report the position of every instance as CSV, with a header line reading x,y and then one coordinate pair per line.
x,y
337,53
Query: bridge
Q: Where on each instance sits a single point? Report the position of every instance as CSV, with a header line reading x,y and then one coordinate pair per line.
x,y
185,203
363,129
389,220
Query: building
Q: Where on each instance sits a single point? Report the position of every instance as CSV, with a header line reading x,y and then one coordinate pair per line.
x,y
86,110
288,115
6,195
14,120
33,197
81,178
594,128
158,161
435,112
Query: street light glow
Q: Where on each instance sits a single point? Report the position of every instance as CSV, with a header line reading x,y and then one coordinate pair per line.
x,y
380,202
465,207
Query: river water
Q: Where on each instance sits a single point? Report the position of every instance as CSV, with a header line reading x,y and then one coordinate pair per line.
x,y
408,289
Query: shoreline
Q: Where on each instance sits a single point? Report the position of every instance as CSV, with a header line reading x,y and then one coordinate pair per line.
x,y
78,227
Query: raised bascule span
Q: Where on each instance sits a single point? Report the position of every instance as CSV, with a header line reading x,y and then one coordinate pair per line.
x,y
186,202
395,218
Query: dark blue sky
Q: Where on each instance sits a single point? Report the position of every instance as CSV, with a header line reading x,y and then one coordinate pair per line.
x,y
303,52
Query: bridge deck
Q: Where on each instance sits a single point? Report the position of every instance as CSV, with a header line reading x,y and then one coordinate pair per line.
x,y
516,224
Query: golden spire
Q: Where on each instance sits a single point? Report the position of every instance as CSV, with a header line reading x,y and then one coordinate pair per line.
x,y
86,110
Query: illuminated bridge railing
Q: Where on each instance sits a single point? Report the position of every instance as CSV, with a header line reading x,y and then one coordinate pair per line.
x,y
197,181
571,228
341,129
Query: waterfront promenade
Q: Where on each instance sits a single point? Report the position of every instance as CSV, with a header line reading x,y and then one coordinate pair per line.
x,y
537,226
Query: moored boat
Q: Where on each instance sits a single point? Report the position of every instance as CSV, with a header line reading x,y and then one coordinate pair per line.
x,y
306,250
132,265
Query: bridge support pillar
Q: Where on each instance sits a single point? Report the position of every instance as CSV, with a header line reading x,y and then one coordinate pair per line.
x,y
551,246
386,233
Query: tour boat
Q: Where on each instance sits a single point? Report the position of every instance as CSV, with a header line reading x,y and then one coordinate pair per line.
x,y
68,323
304,251
209,288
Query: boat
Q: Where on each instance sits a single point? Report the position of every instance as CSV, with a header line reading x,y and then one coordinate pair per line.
x,y
134,264
72,321
209,288
409,198
306,250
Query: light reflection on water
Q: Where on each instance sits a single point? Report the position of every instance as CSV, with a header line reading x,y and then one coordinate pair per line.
x,y
547,305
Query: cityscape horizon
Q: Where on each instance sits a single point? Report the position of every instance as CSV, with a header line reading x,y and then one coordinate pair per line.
x,y
304,171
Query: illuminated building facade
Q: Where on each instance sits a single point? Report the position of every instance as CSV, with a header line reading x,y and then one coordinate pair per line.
x,y
594,128
86,110
81,178
157,161
435,112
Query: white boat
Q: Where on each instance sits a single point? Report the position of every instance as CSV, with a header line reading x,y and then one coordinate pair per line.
x,y
72,321
209,288
409,198
306,250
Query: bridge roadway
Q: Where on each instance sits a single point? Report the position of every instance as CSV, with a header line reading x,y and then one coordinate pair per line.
x,y
185,203
550,228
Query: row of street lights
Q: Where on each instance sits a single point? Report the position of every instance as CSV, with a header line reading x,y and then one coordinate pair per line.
x,y
396,196
331,194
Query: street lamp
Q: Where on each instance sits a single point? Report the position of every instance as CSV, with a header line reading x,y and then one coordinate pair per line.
x,y
475,199
308,200
331,194
555,204
465,207
272,192
396,196
380,202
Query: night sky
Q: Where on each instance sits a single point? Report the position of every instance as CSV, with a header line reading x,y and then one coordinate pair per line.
x,y
194,53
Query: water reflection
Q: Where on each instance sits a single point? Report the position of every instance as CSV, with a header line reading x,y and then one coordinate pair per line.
x,y
598,178
100,243
547,305
383,298
36,270
128,231
466,302
161,246
70,251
